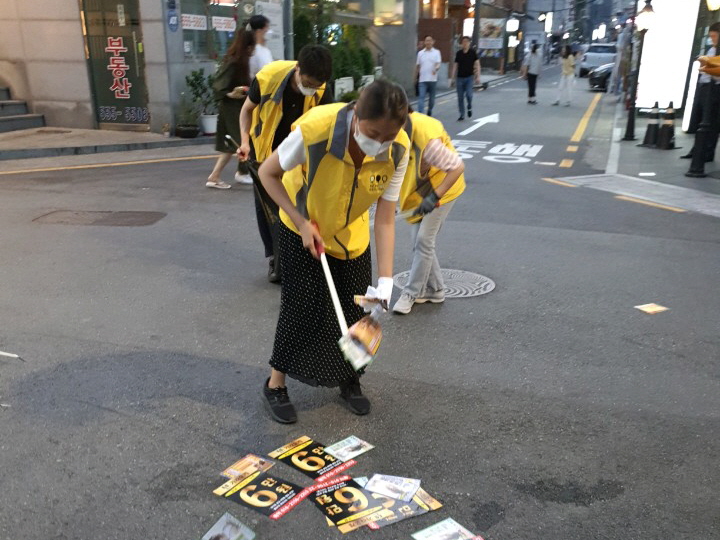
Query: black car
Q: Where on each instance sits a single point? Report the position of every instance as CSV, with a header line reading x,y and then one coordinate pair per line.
x,y
599,77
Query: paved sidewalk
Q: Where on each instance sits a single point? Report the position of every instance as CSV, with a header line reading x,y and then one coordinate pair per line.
x,y
60,141
665,165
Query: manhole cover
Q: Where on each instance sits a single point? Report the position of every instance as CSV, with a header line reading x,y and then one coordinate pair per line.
x,y
110,219
458,283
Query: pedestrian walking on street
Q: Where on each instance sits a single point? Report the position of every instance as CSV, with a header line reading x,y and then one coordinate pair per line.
x,y
230,87
466,71
434,179
338,161
281,93
259,25
531,66
427,67
567,77
707,84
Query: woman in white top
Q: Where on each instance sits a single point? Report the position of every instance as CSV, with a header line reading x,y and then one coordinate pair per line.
x,y
531,71
260,26
567,78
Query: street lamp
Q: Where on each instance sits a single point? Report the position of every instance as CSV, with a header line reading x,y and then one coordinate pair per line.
x,y
643,21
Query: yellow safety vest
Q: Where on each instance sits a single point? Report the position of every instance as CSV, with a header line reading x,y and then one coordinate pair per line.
x,y
422,129
273,79
328,190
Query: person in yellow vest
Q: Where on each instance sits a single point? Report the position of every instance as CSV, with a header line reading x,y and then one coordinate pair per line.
x,y
338,160
281,92
434,179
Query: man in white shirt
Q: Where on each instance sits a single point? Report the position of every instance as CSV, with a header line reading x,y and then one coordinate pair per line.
x,y
426,72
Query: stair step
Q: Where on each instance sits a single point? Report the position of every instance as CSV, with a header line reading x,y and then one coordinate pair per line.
x,y
4,94
12,107
21,121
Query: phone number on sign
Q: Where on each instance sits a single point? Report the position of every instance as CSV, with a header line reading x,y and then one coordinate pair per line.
x,y
128,114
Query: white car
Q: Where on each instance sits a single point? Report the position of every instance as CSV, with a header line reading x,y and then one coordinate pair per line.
x,y
597,55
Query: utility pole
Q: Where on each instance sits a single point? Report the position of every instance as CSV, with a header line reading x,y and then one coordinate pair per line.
x,y
289,42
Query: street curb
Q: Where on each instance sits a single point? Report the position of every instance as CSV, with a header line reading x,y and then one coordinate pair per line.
x,y
6,155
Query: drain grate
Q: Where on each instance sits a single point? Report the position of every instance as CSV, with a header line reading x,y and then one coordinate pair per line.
x,y
104,218
458,283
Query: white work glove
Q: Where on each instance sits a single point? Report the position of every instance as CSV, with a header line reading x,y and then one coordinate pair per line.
x,y
382,292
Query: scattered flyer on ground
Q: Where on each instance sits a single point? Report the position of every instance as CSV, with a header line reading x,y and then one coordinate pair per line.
x,y
348,448
229,527
247,465
395,487
421,503
448,529
309,457
348,506
260,491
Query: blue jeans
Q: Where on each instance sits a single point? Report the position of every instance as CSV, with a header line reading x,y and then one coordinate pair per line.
x,y
464,90
425,275
427,87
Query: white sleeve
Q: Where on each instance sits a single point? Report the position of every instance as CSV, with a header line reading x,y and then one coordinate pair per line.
x,y
392,192
291,151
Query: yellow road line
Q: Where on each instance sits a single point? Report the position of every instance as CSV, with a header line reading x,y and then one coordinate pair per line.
x,y
582,126
649,203
559,182
572,148
101,165
567,163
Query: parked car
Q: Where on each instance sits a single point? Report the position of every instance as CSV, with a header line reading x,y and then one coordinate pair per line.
x,y
599,77
597,55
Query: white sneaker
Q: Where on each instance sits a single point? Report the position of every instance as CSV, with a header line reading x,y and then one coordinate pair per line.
x,y
404,304
243,178
434,297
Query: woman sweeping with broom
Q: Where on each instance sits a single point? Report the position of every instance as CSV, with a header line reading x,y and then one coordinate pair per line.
x,y
338,160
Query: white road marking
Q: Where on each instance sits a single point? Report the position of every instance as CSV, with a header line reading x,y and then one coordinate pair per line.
x,y
692,200
493,118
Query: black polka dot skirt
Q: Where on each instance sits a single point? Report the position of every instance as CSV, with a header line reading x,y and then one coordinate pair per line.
x,y
306,340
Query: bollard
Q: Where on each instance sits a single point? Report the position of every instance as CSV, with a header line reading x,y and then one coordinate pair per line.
x,y
651,134
666,137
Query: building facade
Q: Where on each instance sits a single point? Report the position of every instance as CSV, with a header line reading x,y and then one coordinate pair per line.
x,y
113,64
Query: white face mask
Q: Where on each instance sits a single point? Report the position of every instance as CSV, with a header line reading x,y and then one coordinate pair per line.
x,y
370,147
304,90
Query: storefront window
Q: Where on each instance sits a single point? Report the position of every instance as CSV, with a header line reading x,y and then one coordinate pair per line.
x,y
208,27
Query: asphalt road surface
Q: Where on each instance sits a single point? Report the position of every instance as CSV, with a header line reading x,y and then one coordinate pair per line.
x,y
548,408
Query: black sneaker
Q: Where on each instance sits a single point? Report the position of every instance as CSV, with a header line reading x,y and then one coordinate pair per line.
x,y
469,113
279,405
354,398
461,119
273,274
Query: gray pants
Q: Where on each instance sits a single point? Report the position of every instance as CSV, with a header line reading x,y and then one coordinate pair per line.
x,y
425,276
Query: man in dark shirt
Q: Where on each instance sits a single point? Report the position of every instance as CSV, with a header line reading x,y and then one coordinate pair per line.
x,y
466,69
301,80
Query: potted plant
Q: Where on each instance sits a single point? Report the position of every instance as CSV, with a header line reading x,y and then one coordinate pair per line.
x,y
187,119
201,91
